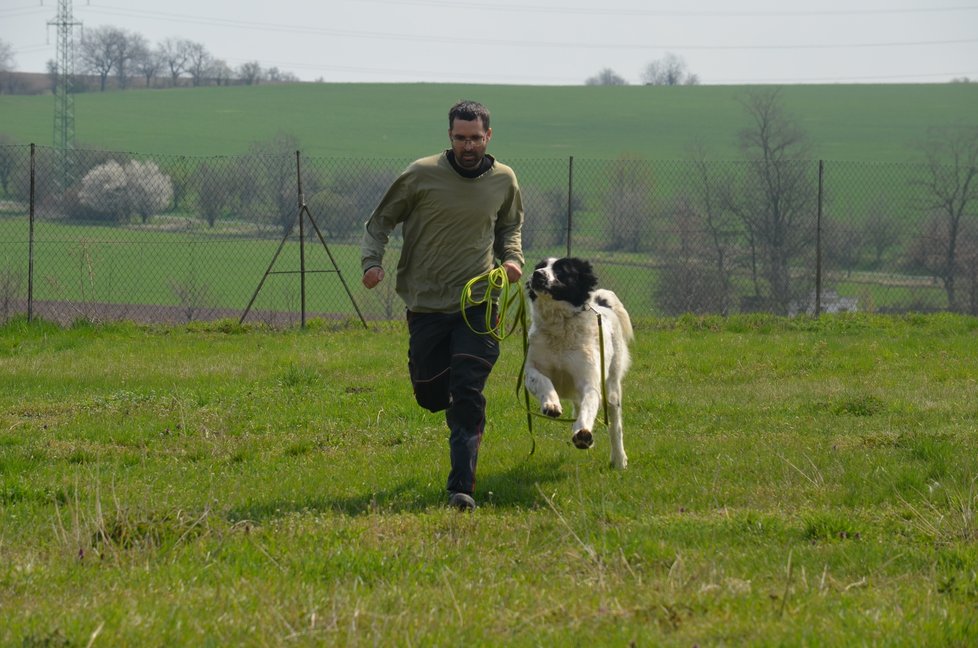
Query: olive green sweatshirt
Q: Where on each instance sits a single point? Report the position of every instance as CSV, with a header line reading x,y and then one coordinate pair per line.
x,y
455,228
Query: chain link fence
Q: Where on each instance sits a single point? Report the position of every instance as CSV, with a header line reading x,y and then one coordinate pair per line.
x,y
96,235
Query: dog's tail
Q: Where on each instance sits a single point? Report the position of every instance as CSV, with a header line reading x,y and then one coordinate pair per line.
x,y
610,300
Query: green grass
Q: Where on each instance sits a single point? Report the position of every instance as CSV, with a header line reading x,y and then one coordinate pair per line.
x,y
790,482
845,122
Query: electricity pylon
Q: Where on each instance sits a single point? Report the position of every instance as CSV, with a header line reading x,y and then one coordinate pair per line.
x,y
64,97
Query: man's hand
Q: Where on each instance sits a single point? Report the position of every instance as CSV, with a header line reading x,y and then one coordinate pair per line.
x,y
373,276
513,271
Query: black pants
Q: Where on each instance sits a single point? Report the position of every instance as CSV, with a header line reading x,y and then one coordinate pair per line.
x,y
449,365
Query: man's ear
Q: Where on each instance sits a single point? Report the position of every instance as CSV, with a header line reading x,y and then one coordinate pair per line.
x,y
488,135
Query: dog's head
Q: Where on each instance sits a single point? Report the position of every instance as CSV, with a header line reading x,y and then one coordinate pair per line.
x,y
567,279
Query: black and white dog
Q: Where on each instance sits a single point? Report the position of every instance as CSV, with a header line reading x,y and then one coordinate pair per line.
x,y
564,355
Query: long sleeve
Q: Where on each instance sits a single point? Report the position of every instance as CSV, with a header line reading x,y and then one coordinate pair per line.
x,y
393,209
508,245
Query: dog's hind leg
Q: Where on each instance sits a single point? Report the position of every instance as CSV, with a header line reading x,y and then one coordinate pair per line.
x,y
615,433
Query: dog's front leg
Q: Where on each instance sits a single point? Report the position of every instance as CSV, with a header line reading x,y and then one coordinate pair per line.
x,y
543,388
587,411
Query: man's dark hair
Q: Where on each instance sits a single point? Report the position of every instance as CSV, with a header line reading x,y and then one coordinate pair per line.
x,y
468,111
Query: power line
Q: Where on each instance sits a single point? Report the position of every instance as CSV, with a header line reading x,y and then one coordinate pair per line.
x,y
265,27
611,11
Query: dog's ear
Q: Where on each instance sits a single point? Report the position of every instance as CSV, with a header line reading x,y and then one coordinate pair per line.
x,y
586,277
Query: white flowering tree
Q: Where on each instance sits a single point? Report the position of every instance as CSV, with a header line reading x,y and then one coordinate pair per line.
x,y
119,192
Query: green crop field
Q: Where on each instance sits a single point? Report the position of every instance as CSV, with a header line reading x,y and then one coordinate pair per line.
x,y
844,122
790,482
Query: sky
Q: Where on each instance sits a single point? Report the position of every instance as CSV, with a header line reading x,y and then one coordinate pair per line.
x,y
540,42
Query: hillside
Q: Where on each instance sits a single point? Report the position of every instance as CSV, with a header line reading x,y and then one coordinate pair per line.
x,y
851,122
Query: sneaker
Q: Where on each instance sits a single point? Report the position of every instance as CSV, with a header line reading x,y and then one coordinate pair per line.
x,y
461,501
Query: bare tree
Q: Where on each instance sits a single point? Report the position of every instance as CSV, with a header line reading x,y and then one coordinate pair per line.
x,y
843,243
8,160
606,77
213,194
51,67
198,62
220,71
547,214
6,65
670,70
879,231
777,200
146,62
6,57
174,55
101,51
250,73
628,203
131,48
950,185
276,75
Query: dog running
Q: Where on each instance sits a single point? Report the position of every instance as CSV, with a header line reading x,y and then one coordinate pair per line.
x,y
564,355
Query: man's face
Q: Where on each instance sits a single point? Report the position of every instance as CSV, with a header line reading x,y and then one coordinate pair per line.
x,y
469,141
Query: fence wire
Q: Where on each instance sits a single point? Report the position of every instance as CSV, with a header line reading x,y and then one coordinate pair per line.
x,y
97,235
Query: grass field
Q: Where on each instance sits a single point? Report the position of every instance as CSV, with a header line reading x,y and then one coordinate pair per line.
x,y
879,123
791,482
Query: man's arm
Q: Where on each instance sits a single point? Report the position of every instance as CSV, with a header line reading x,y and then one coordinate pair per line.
x,y
393,209
509,240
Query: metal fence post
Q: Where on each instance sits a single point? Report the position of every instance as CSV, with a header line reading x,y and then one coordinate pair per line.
x,y
818,243
570,202
302,245
30,247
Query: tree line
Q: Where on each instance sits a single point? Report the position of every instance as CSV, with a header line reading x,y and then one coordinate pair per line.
x,y
670,70
115,57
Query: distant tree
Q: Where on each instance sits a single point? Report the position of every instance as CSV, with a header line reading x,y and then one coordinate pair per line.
x,y
174,55
120,191
6,65
149,189
7,160
250,73
776,200
7,61
879,231
264,182
546,216
627,204
101,51
689,282
949,184
670,70
606,77
51,67
276,75
843,243
131,48
220,72
146,62
342,207
213,193
198,62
